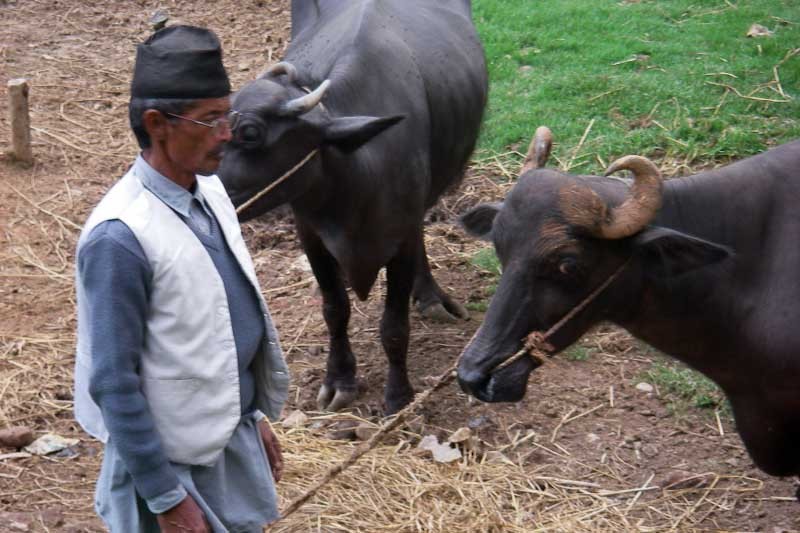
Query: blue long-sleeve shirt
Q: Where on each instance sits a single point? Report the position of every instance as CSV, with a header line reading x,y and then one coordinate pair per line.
x,y
118,278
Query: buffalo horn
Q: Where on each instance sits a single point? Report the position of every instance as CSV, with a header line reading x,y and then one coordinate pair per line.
x,y
538,150
281,68
306,103
642,203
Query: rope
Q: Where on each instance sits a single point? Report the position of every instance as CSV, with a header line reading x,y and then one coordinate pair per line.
x,y
534,344
277,182
385,428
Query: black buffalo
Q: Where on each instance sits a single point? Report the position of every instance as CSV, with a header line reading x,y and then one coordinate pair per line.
x,y
392,94
711,276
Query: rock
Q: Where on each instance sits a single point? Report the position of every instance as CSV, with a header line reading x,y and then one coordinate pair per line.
x,y
295,419
592,437
66,452
16,437
478,421
159,19
649,450
644,387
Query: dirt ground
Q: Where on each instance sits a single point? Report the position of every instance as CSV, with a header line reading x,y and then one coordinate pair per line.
x,y
581,420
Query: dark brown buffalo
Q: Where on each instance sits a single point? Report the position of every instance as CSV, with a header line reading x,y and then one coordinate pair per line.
x,y
397,93
711,277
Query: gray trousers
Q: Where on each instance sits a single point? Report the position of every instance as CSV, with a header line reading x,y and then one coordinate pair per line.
x,y
237,494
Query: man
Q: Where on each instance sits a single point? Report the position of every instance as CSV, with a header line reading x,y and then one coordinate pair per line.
x,y
177,357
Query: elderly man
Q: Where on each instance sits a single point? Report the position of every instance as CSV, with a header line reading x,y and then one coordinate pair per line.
x,y
177,360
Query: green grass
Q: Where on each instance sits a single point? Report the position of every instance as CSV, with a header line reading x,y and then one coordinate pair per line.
x,y
643,73
683,387
578,353
487,261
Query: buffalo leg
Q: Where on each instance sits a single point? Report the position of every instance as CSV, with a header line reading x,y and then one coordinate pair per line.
x,y
339,387
395,327
431,301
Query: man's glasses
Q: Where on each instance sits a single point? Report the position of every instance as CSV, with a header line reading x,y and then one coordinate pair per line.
x,y
218,126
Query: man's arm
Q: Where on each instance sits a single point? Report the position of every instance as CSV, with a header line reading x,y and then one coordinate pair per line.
x,y
117,276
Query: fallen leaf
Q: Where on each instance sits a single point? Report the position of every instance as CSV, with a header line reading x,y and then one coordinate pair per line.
x,y
757,30
442,453
49,443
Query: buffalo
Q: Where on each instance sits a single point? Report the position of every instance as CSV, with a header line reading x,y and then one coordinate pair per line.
x,y
707,271
377,105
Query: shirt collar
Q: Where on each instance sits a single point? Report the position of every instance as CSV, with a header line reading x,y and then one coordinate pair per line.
x,y
169,192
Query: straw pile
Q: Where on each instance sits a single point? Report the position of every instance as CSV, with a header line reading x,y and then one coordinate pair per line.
x,y
396,488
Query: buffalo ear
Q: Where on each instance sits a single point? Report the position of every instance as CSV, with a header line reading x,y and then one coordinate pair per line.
x,y
670,253
349,133
479,220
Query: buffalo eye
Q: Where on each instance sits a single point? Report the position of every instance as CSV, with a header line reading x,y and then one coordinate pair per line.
x,y
248,134
568,267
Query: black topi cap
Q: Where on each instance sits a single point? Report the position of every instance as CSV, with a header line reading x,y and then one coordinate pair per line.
x,y
180,62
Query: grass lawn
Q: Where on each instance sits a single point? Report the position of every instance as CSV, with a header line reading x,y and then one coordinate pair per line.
x,y
673,79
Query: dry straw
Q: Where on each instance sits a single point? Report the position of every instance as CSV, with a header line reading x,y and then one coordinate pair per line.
x,y
396,489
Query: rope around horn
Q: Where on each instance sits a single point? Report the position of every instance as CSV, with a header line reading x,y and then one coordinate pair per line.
x,y
535,346
277,182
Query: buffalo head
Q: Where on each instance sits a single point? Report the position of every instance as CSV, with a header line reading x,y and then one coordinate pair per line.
x,y
558,237
275,124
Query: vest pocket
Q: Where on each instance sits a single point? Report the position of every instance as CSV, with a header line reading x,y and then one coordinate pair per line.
x,y
171,401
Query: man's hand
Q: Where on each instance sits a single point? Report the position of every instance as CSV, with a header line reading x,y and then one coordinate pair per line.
x,y
184,517
273,448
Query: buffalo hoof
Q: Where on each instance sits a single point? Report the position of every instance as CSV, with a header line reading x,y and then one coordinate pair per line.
x,y
446,312
397,400
333,399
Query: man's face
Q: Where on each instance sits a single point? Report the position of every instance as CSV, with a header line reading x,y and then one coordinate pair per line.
x,y
196,148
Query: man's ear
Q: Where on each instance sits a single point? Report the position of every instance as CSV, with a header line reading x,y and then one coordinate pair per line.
x,y
349,133
669,253
155,123
479,220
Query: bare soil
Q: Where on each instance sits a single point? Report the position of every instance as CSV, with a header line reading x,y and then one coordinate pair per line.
x,y
581,420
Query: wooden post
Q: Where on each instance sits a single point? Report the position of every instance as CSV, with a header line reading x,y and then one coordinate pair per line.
x,y
20,120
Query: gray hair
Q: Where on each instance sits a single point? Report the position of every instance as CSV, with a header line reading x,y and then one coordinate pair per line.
x,y
138,106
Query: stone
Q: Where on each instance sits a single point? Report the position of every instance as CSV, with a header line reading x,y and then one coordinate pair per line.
x,y
16,437
644,387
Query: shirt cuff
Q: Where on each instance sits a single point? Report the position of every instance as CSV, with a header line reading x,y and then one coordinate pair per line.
x,y
166,501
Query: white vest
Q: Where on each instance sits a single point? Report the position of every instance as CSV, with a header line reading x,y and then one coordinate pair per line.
x,y
189,367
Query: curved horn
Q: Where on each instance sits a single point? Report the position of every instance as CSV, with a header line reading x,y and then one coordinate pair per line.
x,y
538,150
642,203
281,68
306,103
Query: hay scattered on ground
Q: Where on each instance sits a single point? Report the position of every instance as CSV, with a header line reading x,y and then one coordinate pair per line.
x,y
395,488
